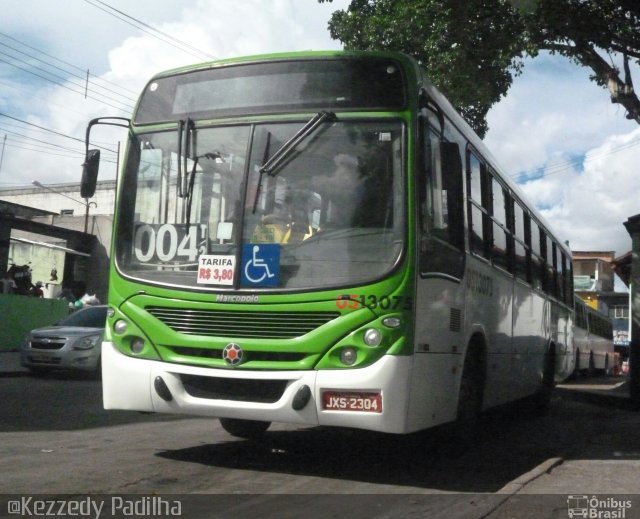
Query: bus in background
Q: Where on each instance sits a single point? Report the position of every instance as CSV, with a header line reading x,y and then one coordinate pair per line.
x,y
319,238
593,340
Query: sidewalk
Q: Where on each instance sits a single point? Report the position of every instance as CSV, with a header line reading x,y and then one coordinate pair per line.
x,y
600,390
10,364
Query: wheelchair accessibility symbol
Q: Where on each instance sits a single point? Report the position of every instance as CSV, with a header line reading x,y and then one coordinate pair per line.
x,y
260,265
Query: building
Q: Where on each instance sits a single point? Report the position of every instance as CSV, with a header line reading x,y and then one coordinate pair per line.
x,y
64,240
594,282
592,274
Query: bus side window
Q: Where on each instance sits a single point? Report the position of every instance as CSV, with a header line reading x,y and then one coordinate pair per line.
x,y
551,284
560,273
452,194
537,264
520,250
479,228
568,279
442,210
499,253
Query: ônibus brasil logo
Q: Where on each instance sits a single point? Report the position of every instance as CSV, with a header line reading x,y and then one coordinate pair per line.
x,y
232,354
597,508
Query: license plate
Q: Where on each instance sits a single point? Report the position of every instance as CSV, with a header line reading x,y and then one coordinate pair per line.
x,y
41,357
364,402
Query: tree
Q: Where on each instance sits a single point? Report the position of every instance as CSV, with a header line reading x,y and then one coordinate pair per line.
x,y
472,49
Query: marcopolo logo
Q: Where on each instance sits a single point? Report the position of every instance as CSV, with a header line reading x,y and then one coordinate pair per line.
x,y
594,507
232,354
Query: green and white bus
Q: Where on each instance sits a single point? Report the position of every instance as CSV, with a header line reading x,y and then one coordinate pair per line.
x,y
318,238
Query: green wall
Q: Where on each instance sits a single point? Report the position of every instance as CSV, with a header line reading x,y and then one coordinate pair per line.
x,y
20,314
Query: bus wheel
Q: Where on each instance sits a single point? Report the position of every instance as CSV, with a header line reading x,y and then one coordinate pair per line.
x,y
470,396
576,368
591,370
542,399
248,429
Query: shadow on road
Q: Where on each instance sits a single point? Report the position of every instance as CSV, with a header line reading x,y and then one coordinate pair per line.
x,y
509,444
60,401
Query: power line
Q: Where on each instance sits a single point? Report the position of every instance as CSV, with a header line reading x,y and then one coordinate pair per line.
x,y
46,151
65,62
566,167
48,145
26,137
52,131
36,96
129,108
51,152
82,78
151,31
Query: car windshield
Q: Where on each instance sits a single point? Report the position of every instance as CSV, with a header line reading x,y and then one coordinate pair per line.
x,y
329,215
91,317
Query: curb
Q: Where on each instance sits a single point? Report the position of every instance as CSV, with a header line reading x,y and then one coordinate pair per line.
x,y
619,401
480,507
513,487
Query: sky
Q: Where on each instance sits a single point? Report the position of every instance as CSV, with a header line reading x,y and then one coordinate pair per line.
x,y
571,150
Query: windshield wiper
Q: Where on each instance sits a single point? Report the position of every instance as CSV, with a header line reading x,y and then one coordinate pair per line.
x,y
265,157
285,150
189,195
271,165
184,143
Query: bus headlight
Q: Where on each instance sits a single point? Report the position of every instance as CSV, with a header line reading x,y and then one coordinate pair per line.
x,y
348,356
372,337
392,322
137,345
120,326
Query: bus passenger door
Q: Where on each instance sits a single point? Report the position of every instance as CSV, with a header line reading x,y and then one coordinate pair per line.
x,y
439,288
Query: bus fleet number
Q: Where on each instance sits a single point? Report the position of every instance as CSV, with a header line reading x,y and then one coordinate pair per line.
x,y
354,301
168,242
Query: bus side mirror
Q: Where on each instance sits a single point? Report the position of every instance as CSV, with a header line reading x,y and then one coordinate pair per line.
x,y
452,182
90,174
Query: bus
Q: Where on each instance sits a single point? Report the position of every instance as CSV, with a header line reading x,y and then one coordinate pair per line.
x,y
319,238
593,340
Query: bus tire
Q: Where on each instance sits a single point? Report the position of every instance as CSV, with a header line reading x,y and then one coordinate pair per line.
x,y
607,366
247,429
542,398
576,368
591,370
470,396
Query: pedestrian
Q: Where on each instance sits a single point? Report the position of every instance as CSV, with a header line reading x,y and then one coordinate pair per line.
x,y
37,290
7,284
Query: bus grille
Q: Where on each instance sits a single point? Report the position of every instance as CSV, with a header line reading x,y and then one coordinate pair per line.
x,y
263,356
262,391
259,325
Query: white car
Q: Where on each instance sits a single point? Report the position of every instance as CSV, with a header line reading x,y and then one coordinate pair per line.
x,y
74,343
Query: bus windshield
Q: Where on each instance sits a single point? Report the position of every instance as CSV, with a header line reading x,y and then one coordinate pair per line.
x,y
330,215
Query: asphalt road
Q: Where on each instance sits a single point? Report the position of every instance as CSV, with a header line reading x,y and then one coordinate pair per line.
x,y
55,438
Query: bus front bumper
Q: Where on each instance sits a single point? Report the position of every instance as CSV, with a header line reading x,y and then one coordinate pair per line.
x,y
373,398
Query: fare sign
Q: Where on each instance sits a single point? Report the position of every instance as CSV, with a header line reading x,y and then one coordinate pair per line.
x,y
216,269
